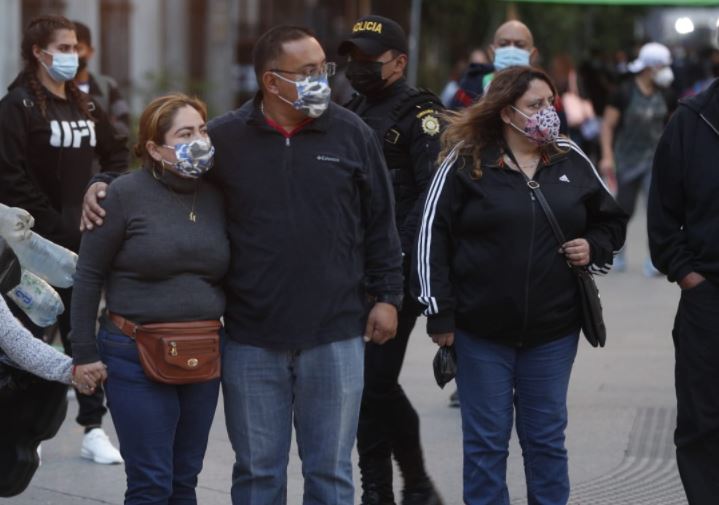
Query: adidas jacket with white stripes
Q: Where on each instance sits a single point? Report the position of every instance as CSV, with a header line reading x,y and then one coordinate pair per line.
x,y
487,261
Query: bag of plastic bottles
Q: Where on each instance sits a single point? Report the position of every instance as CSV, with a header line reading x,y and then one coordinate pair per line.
x,y
47,260
37,299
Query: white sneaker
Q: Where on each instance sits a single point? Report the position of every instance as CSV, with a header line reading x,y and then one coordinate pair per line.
x,y
97,446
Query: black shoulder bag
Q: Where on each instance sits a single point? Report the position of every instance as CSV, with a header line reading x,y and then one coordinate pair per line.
x,y
592,320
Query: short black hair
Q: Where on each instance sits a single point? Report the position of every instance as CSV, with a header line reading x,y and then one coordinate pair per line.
x,y
269,46
83,33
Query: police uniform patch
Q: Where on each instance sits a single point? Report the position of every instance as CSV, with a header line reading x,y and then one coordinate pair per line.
x,y
430,125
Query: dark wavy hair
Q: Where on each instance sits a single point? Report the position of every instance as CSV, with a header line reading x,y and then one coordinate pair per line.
x,y
480,125
41,32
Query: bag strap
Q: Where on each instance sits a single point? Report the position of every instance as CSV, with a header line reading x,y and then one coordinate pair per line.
x,y
558,234
537,192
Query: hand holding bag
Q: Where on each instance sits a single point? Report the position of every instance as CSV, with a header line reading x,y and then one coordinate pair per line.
x,y
176,353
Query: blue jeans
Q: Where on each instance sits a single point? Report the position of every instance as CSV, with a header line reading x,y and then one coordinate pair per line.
x,y
263,389
493,380
163,429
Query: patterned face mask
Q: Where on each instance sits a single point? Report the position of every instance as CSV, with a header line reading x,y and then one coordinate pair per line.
x,y
313,94
193,159
541,127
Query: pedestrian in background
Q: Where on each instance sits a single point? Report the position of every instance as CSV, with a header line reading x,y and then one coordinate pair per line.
x,y
102,88
634,119
50,134
406,122
512,45
496,283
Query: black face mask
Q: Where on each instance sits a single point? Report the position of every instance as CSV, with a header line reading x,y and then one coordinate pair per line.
x,y
81,64
366,76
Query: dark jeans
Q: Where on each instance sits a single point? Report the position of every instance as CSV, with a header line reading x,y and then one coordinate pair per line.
x,y
628,191
388,423
696,343
495,381
163,429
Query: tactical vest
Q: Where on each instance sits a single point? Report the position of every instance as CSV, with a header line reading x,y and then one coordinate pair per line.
x,y
396,143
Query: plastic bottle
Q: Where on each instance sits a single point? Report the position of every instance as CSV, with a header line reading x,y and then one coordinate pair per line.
x,y
37,299
47,260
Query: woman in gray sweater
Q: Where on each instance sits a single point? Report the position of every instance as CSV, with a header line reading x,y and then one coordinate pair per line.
x,y
161,256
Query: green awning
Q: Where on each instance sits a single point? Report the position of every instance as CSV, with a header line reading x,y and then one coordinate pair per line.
x,y
666,3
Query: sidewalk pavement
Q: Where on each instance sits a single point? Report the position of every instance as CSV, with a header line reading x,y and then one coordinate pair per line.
x,y
619,439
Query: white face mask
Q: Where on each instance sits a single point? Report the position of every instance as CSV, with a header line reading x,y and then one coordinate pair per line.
x,y
663,77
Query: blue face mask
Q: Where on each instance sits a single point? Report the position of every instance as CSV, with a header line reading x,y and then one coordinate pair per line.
x,y
64,66
510,56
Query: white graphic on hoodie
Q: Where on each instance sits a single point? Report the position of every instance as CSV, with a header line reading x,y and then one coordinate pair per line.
x,y
71,133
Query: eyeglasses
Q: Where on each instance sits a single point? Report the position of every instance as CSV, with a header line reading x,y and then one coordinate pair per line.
x,y
329,68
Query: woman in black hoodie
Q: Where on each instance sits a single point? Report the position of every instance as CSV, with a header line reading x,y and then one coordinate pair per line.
x,y
496,282
50,132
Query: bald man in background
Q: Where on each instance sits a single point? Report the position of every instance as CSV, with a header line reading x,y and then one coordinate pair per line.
x,y
513,45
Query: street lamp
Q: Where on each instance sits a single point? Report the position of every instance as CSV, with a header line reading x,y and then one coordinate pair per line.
x,y
684,26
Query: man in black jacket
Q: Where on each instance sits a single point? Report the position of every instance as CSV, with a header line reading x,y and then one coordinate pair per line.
x,y
406,122
683,223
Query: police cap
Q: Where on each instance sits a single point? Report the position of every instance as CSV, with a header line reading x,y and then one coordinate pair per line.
x,y
374,35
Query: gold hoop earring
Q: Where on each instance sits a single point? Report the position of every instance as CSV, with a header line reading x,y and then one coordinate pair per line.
x,y
154,172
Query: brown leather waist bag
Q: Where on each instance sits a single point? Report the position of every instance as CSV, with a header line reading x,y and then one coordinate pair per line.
x,y
176,353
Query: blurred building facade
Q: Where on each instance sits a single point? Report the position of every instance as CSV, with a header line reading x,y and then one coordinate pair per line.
x,y
201,46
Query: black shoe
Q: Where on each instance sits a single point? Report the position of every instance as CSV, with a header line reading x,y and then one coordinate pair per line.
x,y
374,497
376,481
454,400
425,495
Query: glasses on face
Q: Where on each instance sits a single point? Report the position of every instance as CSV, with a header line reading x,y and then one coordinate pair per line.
x,y
540,104
326,69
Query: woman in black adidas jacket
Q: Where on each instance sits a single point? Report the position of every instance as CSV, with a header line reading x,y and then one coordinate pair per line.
x,y
496,283
50,133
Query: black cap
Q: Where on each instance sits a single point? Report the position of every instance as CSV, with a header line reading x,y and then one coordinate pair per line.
x,y
374,35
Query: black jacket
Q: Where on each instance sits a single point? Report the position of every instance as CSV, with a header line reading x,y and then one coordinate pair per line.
x,y
487,261
683,213
46,162
311,226
406,122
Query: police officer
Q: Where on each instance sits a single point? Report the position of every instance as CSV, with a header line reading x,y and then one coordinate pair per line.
x,y
406,122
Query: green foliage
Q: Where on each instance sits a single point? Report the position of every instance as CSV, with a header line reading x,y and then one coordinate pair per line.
x,y
578,29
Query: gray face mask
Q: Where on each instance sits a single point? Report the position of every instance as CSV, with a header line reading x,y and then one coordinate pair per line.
x,y
313,94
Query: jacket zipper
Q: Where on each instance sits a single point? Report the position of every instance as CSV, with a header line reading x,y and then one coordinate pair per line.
x,y
709,123
525,318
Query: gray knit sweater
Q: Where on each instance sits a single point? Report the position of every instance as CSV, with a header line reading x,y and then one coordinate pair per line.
x,y
155,263
29,353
